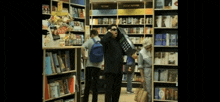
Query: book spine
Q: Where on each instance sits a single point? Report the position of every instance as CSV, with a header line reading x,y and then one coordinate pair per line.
x,y
67,60
164,39
56,63
48,66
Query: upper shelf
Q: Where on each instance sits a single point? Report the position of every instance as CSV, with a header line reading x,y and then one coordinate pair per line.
x,y
64,47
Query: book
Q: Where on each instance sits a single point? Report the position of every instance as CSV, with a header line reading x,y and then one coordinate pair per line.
x,y
176,39
158,40
52,90
105,21
158,21
174,4
141,30
163,74
47,91
124,21
162,93
168,4
162,58
156,93
171,58
61,87
166,21
71,84
52,62
61,62
172,73
159,4
175,94
147,30
174,21
157,58
156,75
166,58
76,13
48,69
57,89
171,93
67,60
65,86
167,94
172,40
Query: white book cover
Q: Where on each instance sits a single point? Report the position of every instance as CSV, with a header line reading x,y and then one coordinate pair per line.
x,y
171,58
156,75
174,4
167,21
91,22
141,30
167,39
166,58
147,20
174,21
159,21
176,58
162,58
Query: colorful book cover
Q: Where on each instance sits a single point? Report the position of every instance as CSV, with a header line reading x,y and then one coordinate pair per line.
x,y
48,70
158,21
174,21
166,21
67,58
175,94
61,87
162,93
158,39
52,62
174,4
76,13
141,30
65,86
171,93
59,56
57,66
57,89
156,76
171,58
167,94
164,39
156,93
52,90
159,4
173,39
46,94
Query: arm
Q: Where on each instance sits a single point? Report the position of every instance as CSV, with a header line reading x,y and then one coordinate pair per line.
x,y
84,46
140,66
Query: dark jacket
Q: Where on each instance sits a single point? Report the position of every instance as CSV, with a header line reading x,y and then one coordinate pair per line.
x,y
113,54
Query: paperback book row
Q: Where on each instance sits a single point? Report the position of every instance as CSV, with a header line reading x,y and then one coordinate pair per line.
x,y
100,21
139,30
136,78
54,9
45,9
166,93
136,40
166,58
168,21
166,39
60,87
166,4
74,39
135,20
77,12
101,30
57,62
81,2
166,75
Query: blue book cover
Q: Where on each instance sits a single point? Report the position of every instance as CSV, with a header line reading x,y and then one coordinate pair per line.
x,y
82,75
159,4
73,1
67,60
56,63
105,12
81,2
48,66
164,39
156,93
158,39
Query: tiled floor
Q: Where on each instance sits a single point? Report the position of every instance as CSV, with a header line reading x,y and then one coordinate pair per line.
x,y
124,97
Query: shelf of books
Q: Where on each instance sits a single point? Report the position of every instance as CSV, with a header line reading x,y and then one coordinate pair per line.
x,y
61,70
165,48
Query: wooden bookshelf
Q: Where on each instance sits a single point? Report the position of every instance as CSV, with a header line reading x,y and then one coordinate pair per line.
x,y
164,100
165,9
66,72
60,97
165,82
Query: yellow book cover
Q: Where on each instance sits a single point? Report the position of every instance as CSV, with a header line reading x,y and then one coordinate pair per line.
x,y
131,12
149,11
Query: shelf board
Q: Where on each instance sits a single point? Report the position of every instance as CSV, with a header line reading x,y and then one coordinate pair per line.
x,y
102,15
165,65
46,14
166,46
165,100
100,25
77,31
165,82
78,5
130,15
135,82
64,47
73,71
165,9
60,96
79,18
131,24
165,28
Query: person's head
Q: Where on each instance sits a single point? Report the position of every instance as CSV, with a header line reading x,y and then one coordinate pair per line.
x,y
147,44
93,33
113,29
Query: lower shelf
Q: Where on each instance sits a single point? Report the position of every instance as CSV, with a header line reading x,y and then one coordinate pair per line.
x,y
60,96
166,100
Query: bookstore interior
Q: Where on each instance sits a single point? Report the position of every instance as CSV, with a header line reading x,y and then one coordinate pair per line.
x,y
66,25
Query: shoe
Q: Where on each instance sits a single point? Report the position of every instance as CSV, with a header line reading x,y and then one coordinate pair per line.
x,y
130,92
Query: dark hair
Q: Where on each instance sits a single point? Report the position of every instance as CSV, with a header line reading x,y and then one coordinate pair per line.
x,y
94,32
110,26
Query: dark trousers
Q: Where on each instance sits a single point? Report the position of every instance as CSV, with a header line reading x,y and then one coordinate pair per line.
x,y
113,87
92,74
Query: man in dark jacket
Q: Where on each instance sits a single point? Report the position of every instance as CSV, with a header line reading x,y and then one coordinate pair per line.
x,y
113,58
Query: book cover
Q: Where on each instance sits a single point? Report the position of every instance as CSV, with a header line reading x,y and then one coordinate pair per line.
x,y
156,76
156,93
158,21
158,40
172,73
82,26
99,20
141,20
167,94
79,12
65,86
46,94
175,94
141,30
164,39
168,4
105,21
162,58
57,89
167,39
166,58
76,14
159,4
163,74
174,21
124,21
171,58
52,62
48,70
157,58
163,21
173,39
171,93
52,90
174,4
67,58
84,13
162,93
166,21
71,84
60,60
61,87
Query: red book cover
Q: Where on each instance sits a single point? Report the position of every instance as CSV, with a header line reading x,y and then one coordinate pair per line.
x,y
46,89
71,84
